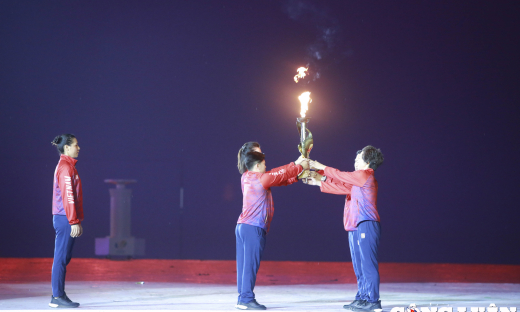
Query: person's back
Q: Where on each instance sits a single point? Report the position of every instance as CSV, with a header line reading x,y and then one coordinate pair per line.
x,y
257,206
364,199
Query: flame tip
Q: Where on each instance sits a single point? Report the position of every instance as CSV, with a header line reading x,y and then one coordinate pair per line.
x,y
301,73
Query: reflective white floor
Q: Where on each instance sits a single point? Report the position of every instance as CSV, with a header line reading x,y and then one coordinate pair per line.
x,y
203,297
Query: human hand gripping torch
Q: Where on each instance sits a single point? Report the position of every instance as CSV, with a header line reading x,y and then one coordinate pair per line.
x,y
306,141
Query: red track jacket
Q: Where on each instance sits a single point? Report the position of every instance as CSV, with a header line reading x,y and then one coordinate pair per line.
x,y
360,187
67,197
257,207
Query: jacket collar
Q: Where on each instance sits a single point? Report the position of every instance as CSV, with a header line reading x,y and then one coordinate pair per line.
x,y
69,159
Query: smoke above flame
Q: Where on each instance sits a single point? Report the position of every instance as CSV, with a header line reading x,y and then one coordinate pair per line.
x,y
329,46
305,99
301,74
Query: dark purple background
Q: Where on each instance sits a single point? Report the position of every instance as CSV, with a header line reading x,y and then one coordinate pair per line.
x,y
151,88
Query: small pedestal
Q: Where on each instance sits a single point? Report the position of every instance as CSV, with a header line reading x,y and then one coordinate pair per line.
x,y
120,243
120,247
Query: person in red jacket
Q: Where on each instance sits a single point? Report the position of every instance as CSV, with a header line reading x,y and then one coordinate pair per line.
x,y
67,210
360,219
255,219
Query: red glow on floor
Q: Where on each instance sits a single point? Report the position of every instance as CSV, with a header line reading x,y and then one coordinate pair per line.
x,y
271,272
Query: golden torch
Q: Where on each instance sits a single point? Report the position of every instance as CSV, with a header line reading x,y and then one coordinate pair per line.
x,y
306,141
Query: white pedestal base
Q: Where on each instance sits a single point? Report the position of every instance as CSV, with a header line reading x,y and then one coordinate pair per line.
x,y
124,246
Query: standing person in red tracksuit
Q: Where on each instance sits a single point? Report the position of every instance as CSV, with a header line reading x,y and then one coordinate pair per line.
x,y
360,219
67,210
255,219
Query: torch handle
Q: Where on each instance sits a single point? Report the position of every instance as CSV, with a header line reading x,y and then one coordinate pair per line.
x,y
302,134
301,124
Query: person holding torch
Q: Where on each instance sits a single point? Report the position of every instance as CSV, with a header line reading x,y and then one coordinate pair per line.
x,y
360,219
257,213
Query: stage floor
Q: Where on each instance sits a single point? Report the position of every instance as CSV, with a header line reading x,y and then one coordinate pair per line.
x,y
208,297
191,285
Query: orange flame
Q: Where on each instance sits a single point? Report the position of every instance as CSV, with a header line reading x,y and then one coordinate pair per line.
x,y
301,74
305,99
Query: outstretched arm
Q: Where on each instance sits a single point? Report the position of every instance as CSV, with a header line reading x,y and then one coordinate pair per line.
x,y
357,178
335,188
281,176
329,186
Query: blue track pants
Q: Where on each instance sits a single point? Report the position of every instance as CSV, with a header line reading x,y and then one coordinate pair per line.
x,y
62,254
364,244
250,246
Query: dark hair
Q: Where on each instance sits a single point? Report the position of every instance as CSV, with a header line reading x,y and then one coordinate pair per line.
x,y
61,140
246,148
253,158
372,156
